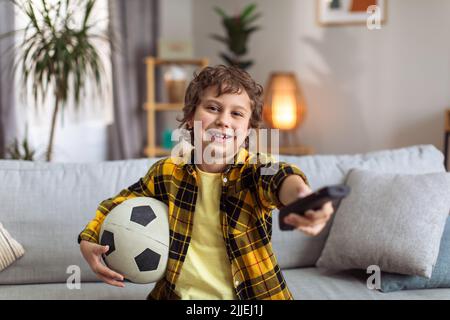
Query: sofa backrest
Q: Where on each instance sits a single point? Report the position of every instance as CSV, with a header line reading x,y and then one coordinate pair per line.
x,y
45,205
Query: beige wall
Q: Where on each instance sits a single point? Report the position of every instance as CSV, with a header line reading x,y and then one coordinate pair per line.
x,y
366,90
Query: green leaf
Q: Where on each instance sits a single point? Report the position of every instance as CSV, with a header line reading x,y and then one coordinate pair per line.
x,y
9,34
33,19
46,16
220,12
227,58
252,18
220,38
90,4
247,11
245,64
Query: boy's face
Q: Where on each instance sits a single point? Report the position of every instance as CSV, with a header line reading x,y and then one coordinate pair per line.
x,y
227,114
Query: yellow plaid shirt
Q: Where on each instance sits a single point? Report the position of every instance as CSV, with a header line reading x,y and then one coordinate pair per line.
x,y
249,194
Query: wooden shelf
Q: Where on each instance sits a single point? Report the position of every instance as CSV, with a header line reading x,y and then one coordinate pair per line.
x,y
164,106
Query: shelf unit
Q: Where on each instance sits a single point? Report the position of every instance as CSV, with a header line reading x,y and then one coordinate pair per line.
x,y
151,106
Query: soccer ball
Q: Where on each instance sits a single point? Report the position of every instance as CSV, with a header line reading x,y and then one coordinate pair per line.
x,y
137,233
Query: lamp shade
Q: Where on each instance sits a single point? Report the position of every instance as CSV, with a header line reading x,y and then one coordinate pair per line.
x,y
284,105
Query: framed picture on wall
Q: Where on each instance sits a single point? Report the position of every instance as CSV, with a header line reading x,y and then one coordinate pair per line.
x,y
347,12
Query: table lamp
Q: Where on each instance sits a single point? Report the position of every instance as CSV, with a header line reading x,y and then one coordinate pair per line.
x,y
284,105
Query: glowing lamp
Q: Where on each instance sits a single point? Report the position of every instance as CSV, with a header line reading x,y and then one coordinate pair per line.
x,y
284,106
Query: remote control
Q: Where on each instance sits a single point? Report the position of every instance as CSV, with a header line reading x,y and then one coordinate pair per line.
x,y
314,201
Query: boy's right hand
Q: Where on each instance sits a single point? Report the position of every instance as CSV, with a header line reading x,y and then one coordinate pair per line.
x,y
92,253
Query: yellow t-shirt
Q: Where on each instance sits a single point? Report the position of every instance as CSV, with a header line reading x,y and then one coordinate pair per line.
x,y
206,271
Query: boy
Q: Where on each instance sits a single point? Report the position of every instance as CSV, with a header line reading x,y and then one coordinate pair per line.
x,y
225,252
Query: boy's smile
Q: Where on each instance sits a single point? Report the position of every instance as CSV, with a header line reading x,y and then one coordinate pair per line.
x,y
216,135
224,124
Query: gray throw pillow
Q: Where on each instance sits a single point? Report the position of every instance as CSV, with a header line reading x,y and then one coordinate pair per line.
x,y
440,277
394,221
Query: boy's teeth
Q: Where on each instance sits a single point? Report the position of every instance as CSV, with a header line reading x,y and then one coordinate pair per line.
x,y
222,136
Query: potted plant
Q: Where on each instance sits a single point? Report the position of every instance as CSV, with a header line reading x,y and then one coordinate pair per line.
x,y
238,29
20,150
58,52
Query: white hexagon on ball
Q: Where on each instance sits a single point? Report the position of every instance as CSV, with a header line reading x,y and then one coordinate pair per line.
x,y
137,232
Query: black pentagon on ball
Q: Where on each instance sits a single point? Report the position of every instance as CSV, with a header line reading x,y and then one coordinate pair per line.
x,y
108,240
148,260
142,215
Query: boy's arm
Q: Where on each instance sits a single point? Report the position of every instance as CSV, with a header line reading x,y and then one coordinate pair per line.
x,y
269,178
145,187
291,188
285,184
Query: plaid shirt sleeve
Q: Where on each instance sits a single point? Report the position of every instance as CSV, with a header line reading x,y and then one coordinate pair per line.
x,y
145,187
269,177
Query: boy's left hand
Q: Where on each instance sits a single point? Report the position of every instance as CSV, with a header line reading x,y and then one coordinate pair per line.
x,y
313,222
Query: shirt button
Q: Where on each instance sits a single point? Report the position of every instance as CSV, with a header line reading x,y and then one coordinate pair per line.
x,y
225,179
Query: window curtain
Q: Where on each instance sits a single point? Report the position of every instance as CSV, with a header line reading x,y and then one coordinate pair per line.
x,y
134,28
7,111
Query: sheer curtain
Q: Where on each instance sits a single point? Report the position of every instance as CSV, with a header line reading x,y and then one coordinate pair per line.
x,y
7,112
134,25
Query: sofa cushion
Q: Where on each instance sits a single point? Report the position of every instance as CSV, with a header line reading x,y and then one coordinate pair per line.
x,y
293,248
390,220
440,277
10,249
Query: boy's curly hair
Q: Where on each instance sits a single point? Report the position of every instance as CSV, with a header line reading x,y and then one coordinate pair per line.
x,y
226,79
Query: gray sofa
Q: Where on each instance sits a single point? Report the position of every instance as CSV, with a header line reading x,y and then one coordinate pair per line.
x,y
45,205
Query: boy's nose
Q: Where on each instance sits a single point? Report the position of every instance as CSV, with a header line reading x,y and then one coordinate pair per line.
x,y
223,121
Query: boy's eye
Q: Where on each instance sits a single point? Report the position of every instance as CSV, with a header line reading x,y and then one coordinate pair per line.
x,y
239,114
214,108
